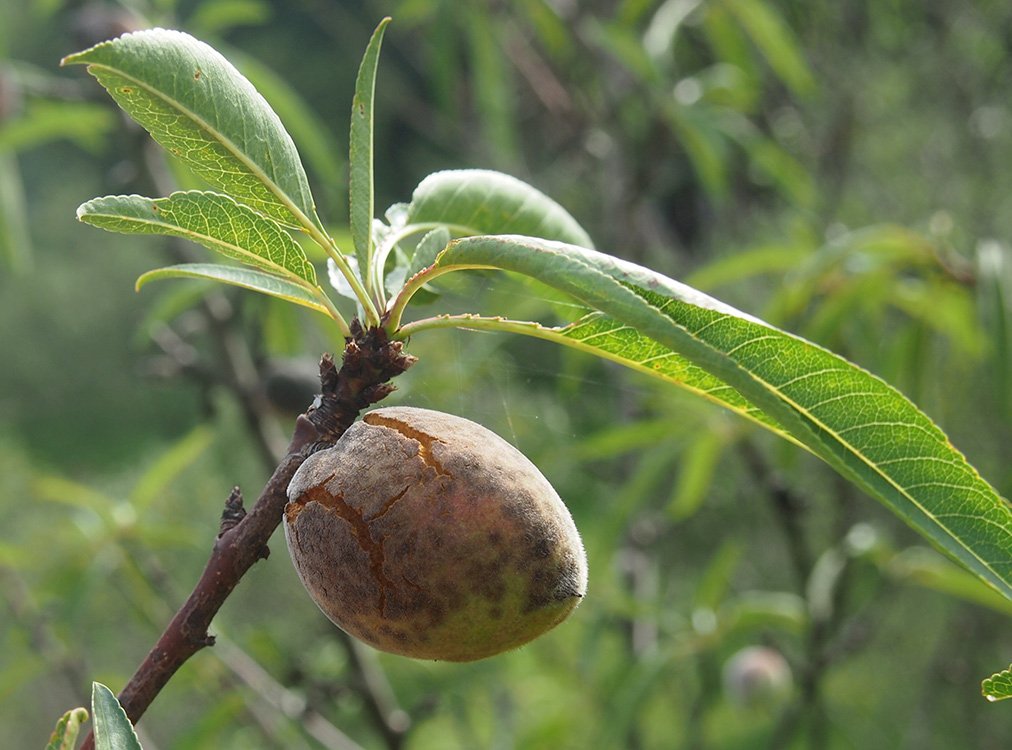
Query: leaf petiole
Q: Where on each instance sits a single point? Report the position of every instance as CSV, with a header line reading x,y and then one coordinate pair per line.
x,y
399,303
372,316
383,250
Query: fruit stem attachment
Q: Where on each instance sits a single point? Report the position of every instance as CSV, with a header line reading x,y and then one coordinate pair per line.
x,y
370,361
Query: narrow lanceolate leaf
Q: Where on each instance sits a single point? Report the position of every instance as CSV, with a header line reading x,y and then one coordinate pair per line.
x,y
64,736
247,278
202,110
998,687
605,337
608,338
360,158
213,220
113,730
857,423
479,201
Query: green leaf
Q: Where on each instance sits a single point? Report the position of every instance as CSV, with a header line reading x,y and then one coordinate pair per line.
x,y
608,338
360,153
699,135
715,580
202,110
64,736
246,278
765,259
213,220
998,687
318,145
15,239
765,610
85,124
493,94
427,249
479,201
695,475
113,730
924,567
857,423
773,37
222,16
170,463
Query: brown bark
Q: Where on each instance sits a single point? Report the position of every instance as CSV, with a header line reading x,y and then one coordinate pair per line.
x,y
370,361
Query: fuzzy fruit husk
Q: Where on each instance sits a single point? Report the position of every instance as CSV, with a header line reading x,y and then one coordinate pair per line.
x,y
427,535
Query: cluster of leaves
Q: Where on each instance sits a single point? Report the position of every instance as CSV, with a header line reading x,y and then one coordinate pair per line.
x,y
205,113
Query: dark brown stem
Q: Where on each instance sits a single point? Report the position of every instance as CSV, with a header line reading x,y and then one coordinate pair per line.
x,y
370,361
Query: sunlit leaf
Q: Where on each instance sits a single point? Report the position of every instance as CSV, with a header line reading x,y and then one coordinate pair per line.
x,y
998,687
246,278
113,730
608,338
213,220
858,424
479,201
202,110
665,23
340,282
994,262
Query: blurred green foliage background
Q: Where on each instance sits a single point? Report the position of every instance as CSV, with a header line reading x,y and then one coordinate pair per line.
x,y
836,168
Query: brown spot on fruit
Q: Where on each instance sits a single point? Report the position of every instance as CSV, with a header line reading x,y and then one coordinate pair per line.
x,y
427,535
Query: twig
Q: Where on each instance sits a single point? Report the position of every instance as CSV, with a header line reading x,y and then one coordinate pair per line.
x,y
370,361
392,721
